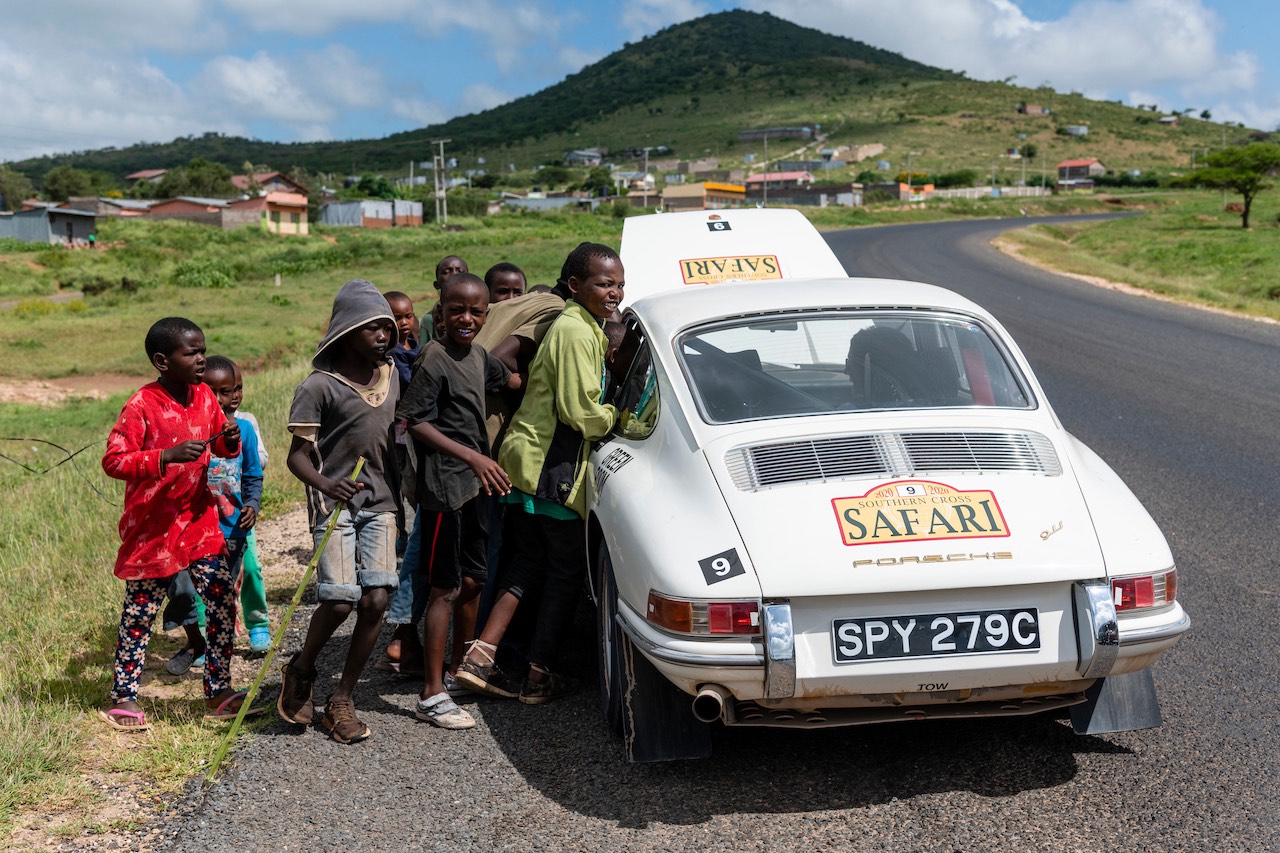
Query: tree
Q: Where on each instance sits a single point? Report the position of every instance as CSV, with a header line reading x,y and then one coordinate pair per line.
x,y
62,182
375,186
1241,169
14,187
1206,115
1029,150
198,178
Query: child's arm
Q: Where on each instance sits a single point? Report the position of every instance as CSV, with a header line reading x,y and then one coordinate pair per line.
x,y
302,464
577,392
250,479
489,472
125,457
227,443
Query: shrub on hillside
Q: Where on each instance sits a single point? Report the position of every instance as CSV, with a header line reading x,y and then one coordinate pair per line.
x,y
201,272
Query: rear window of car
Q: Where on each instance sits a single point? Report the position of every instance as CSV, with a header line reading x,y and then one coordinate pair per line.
x,y
808,364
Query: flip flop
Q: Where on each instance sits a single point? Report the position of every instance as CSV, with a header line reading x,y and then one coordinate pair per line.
x,y
108,717
414,671
221,712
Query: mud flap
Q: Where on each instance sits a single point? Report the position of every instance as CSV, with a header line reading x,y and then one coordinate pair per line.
x,y
1118,703
658,722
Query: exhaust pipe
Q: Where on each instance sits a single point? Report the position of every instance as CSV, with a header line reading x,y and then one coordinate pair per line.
x,y
709,703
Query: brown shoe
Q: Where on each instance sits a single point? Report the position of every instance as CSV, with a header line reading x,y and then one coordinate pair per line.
x,y
484,676
341,722
295,704
551,686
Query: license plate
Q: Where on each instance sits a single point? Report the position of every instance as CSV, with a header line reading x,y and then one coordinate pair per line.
x,y
936,634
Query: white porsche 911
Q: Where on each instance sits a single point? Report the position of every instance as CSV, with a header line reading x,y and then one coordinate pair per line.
x,y
833,501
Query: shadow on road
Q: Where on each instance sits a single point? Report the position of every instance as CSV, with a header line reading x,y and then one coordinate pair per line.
x,y
569,755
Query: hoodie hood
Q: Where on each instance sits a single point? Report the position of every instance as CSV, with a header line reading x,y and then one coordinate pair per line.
x,y
358,302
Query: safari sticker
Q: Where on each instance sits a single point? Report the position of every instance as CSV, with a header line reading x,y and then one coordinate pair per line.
x,y
918,510
720,270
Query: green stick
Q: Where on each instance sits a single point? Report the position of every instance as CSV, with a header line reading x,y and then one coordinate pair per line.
x,y
275,641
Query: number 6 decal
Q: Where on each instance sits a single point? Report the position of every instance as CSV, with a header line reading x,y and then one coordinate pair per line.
x,y
722,566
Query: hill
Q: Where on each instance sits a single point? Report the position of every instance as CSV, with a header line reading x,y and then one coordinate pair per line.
x,y
693,86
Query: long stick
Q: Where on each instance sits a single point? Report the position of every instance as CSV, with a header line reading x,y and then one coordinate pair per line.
x,y
275,642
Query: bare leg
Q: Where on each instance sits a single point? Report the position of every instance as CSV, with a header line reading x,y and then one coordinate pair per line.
x,y
369,612
195,640
464,619
435,628
326,619
499,618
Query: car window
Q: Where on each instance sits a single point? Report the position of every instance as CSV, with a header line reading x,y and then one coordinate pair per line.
x,y
635,384
805,364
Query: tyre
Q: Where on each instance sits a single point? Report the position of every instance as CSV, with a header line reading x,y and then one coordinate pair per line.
x,y
653,716
608,638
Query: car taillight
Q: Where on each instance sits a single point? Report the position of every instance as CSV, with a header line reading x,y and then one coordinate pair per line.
x,y
1133,592
685,616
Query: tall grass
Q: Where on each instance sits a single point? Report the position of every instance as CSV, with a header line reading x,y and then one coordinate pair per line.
x,y
60,603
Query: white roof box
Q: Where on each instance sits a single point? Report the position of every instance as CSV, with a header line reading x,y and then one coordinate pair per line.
x,y
668,251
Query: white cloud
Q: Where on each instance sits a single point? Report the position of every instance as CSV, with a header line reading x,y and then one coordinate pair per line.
x,y
1103,46
418,111
479,97
178,27
261,87
642,17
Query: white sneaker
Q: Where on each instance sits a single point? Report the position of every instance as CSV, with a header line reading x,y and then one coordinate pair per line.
x,y
440,710
456,688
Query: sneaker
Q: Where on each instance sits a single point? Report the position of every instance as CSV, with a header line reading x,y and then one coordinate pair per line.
x,y
259,639
295,703
454,687
341,722
482,677
553,686
198,663
440,710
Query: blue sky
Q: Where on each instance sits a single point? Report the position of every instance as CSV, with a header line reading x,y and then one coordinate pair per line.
x,y
84,74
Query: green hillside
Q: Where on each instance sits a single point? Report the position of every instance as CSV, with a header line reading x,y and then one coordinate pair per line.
x,y
694,86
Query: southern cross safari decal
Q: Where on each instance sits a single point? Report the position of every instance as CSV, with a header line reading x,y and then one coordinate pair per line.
x,y
918,510
737,268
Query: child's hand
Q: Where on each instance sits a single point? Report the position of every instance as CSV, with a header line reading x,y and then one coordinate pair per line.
x,y
516,382
248,518
342,490
187,451
492,478
231,431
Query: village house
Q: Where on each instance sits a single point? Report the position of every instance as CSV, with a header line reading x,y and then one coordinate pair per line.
x,y
269,182
584,157
373,213
52,225
779,180
148,176
1079,174
703,195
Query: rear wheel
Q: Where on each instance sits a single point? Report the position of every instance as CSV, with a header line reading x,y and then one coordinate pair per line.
x,y
609,636
654,717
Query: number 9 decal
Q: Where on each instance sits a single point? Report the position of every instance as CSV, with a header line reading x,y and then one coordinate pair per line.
x,y
722,566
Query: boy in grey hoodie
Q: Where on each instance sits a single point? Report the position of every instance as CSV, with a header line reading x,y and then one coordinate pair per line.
x,y
345,410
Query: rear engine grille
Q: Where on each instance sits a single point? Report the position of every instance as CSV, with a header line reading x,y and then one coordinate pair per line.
x,y
895,454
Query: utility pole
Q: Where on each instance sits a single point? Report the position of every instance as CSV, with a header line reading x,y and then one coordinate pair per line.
x,y
442,201
766,169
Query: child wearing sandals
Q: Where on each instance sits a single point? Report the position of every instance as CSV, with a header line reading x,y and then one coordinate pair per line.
x,y
237,487
160,446
345,410
445,410
545,451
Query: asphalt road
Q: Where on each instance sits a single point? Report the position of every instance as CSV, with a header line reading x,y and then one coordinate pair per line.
x,y
1182,403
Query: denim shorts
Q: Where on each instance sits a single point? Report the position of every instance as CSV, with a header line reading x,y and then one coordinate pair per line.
x,y
361,554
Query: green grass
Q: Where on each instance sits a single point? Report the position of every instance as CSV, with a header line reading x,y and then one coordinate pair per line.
x,y
244,316
1186,248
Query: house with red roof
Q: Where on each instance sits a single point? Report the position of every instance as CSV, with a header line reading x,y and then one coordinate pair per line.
x,y
1079,174
269,182
778,180
150,176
